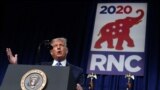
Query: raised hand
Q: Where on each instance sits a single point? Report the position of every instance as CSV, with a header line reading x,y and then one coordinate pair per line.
x,y
12,58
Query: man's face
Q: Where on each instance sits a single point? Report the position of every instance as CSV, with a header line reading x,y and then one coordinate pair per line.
x,y
59,50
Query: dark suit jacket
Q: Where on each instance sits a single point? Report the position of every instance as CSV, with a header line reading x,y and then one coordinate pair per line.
x,y
77,72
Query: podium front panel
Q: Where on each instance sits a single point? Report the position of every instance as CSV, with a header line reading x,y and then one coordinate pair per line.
x,y
58,78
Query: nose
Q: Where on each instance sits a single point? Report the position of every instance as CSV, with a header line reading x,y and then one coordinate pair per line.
x,y
58,47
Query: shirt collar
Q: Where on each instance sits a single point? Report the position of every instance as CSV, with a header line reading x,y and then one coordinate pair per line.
x,y
63,62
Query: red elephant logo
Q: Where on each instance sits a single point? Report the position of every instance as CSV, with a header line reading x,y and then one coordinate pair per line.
x,y
119,29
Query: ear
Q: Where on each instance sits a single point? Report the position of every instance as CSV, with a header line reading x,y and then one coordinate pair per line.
x,y
66,50
51,52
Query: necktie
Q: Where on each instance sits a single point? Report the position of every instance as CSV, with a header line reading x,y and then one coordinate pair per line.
x,y
58,64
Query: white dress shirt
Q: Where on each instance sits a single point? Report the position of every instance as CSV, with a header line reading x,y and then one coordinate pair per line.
x,y
63,62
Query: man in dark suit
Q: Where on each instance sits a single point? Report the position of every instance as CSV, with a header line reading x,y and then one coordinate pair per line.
x,y
59,53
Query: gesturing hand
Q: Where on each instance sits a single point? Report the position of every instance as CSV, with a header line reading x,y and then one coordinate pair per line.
x,y
12,58
79,87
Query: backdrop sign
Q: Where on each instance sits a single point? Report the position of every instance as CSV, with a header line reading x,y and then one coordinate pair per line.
x,y
118,40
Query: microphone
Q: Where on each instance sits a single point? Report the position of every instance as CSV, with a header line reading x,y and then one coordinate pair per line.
x,y
45,43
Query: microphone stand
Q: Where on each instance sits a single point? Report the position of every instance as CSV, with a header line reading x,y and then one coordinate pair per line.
x,y
45,43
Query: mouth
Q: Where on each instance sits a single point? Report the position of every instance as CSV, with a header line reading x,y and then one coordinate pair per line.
x,y
59,52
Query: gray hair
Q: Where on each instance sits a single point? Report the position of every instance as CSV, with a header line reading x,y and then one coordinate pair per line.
x,y
59,39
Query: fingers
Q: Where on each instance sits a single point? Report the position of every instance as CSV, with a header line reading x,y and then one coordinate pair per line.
x,y
12,58
79,87
10,54
16,55
8,51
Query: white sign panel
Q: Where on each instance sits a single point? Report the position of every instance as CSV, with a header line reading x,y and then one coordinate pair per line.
x,y
118,42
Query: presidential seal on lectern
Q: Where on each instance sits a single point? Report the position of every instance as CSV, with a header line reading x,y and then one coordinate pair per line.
x,y
34,79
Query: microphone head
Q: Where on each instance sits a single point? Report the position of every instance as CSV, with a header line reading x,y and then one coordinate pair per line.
x,y
49,47
47,44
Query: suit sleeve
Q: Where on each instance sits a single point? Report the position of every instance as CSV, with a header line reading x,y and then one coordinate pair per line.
x,y
78,74
81,78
